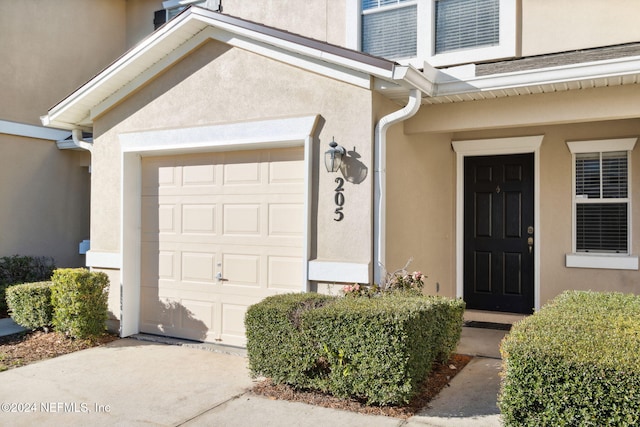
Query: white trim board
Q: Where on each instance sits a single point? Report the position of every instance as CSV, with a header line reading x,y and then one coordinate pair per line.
x,y
32,131
611,262
287,132
101,259
343,272
490,147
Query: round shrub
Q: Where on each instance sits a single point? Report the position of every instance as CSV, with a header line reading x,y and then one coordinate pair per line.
x,y
575,362
30,304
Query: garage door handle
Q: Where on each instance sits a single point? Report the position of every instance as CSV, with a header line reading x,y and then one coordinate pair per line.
x,y
219,277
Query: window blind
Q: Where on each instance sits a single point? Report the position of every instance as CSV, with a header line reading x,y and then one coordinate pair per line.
x,y
464,24
391,33
601,196
601,227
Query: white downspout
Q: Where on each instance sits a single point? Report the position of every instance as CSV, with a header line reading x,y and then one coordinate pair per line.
x,y
380,154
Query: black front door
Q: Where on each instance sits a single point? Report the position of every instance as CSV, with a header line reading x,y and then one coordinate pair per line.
x,y
498,233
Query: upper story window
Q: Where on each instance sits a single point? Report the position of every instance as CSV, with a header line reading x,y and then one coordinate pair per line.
x,y
440,32
602,201
389,28
466,24
174,7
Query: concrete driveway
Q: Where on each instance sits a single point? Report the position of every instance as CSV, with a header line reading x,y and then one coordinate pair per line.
x,y
128,382
138,383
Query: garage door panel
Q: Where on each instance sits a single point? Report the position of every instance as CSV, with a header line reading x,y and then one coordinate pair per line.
x,y
285,273
167,265
196,319
242,174
199,218
199,175
286,219
198,267
241,269
157,312
158,173
239,214
233,331
286,172
242,219
167,219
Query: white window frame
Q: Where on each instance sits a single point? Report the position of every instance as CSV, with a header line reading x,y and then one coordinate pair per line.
x,y
617,261
506,48
177,4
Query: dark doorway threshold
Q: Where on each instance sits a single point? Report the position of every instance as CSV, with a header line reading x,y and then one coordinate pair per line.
x,y
487,325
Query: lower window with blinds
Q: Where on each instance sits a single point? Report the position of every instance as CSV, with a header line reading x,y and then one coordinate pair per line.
x,y
601,227
601,202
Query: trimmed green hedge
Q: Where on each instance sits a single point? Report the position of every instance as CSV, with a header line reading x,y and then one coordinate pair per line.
x,y
79,299
377,349
22,269
575,362
30,304
277,345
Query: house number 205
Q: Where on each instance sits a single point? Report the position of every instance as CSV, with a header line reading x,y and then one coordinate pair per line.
x,y
339,199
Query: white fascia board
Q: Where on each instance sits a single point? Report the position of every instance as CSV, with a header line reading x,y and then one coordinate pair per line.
x,y
309,59
291,46
449,85
299,59
32,131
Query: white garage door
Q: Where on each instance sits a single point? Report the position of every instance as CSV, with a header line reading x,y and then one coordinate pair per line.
x,y
220,231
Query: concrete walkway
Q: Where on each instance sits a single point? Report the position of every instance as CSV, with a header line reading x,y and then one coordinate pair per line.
x,y
9,327
135,383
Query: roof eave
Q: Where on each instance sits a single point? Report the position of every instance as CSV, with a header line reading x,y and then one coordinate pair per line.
x,y
186,27
447,85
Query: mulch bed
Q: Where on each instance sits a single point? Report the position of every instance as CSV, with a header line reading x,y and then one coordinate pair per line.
x,y
22,349
438,379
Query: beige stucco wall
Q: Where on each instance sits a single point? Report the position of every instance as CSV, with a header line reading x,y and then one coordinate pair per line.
x,y
217,84
140,19
322,20
564,25
422,176
44,195
420,206
49,48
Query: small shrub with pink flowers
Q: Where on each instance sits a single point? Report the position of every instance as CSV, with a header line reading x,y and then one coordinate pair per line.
x,y
398,281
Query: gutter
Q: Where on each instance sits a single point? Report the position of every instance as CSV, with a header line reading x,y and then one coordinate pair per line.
x,y
76,136
380,177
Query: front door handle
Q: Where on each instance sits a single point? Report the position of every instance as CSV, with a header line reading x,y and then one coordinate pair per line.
x,y
530,243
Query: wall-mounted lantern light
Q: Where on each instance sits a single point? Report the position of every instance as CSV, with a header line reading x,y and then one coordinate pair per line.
x,y
333,156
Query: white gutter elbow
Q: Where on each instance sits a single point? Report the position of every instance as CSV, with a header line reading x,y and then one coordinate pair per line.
x,y
380,153
76,135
